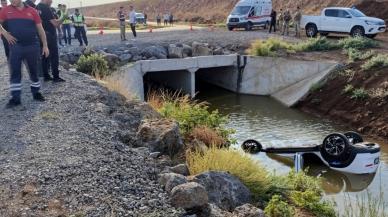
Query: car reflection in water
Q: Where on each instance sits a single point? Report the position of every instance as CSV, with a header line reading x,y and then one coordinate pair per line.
x,y
333,182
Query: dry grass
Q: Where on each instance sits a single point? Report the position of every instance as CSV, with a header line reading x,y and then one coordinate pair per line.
x,y
253,175
113,83
208,136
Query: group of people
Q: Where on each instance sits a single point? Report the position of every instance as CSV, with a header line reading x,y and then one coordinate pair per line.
x,y
283,20
30,36
168,19
121,16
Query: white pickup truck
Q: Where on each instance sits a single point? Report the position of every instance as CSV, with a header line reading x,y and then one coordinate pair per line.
x,y
342,20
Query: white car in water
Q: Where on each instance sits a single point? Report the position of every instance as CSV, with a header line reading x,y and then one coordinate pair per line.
x,y
342,20
341,152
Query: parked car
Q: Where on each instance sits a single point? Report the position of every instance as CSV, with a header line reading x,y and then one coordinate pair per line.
x,y
250,13
140,19
342,20
341,152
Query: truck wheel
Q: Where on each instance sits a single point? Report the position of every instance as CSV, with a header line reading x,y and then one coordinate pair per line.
x,y
334,147
230,28
266,25
357,31
311,30
252,146
354,137
248,26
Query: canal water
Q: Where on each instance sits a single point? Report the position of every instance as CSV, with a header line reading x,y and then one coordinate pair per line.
x,y
271,123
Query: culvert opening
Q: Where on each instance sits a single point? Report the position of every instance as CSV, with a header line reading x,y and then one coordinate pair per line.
x,y
210,79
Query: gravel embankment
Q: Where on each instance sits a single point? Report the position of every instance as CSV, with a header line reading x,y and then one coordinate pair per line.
x,y
66,156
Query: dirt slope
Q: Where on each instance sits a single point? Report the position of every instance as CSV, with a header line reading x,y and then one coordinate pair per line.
x,y
207,11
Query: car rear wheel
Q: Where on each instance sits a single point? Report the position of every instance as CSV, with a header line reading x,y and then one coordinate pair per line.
x,y
311,31
252,146
354,137
248,26
357,31
334,147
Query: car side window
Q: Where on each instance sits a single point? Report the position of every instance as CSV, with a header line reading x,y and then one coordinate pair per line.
x,y
252,12
343,14
331,13
258,11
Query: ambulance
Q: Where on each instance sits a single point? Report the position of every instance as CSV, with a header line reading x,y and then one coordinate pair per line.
x,y
250,13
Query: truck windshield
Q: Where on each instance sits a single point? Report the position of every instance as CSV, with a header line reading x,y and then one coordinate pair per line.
x,y
357,13
241,10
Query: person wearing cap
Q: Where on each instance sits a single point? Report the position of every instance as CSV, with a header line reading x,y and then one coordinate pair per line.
x,y
79,25
121,18
23,28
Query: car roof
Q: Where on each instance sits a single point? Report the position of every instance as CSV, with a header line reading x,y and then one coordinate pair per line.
x,y
341,8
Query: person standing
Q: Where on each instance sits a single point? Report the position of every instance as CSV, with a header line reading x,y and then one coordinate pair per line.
x,y
166,18
4,4
171,19
57,15
159,20
50,24
23,28
121,18
297,20
31,3
79,25
132,20
273,21
286,23
280,19
66,25
145,18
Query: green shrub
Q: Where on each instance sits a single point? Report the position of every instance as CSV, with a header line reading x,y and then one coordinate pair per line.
x,y
359,93
378,61
317,86
278,207
348,88
355,54
316,44
250,172
268,47
94,65
357,43
189,114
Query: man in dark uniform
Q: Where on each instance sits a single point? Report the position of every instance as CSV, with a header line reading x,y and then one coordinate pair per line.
x,y
23,27
31,3
50,25
273,21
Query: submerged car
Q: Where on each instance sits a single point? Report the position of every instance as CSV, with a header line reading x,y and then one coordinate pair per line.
x,y
341,152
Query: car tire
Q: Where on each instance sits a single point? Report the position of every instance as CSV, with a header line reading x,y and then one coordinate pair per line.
x,y
311,31
230,28
248,26
354,137
252,146
266,25
334,147
357,31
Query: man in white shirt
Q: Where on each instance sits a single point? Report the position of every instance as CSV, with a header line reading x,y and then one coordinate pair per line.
x,y
132,20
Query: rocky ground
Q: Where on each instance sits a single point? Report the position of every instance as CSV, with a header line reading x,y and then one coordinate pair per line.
x,y
72,154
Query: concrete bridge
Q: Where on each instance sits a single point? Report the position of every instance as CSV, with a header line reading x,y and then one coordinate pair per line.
x,y
284,79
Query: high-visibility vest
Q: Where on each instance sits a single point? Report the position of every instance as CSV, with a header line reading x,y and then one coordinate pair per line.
x,y
67,19
78,20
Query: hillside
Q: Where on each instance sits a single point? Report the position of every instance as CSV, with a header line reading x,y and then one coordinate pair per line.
x,y
209,11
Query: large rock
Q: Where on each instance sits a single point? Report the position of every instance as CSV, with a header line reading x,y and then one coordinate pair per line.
x,y
134,51
125,57
201,49
248,210
112,59
189,196
187,51
224,190
160,135
158,52
175,51
180,169
171,180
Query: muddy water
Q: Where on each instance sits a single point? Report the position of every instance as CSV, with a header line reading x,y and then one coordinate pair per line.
x,y
272,124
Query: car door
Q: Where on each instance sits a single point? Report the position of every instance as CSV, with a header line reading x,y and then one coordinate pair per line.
x,y
344,21
328,22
